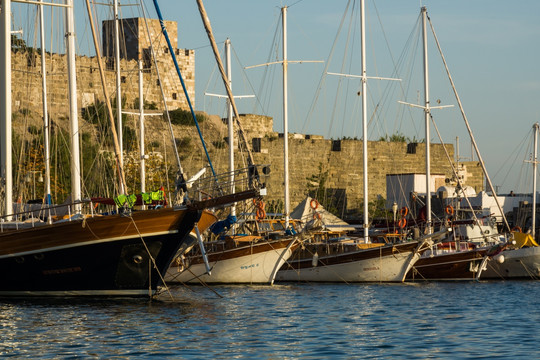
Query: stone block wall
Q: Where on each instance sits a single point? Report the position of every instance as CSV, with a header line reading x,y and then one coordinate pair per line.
x,y
26,78
345,167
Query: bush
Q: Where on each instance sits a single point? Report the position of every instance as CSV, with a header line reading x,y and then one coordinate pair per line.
x,y
184,117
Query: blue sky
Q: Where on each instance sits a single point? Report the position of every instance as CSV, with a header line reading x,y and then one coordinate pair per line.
x,y
491,46
492,49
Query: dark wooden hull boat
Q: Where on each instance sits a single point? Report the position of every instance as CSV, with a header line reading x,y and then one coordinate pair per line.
x,y
114,255
453,266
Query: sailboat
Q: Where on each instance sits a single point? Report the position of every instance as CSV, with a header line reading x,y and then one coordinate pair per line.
x,y
465,252
233,257
125,254
521,258
356,260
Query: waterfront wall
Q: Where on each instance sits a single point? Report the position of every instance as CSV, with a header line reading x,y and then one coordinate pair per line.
x,y
311,156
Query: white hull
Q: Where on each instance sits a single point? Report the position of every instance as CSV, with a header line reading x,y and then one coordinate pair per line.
x,y
256,268
385,268
521,263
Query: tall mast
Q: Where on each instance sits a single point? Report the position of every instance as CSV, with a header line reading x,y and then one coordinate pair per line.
x,y
5,106
141,127
364,78
473,142
120,169
73,111
426,115
285,119
118,85
242,135
285,62
46,145
364,121
535,164
230,121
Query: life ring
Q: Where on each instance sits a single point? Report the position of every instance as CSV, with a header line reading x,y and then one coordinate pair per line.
x,y
260,214
516,229
314,204
317,215
402,222
404,211
449,210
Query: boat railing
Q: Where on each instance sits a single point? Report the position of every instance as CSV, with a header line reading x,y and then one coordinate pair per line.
x,y
228,187
45,214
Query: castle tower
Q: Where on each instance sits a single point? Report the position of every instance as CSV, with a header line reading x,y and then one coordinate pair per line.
x,y
135,41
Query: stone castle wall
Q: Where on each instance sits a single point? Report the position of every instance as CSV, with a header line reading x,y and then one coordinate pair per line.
x,y
26,79
308,155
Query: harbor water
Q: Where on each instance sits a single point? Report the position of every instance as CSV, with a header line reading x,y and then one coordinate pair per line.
x,y
477,320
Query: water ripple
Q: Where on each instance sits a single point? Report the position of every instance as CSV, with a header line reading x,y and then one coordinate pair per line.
x,y
487,320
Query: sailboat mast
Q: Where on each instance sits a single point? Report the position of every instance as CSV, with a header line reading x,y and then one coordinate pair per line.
x,y
5,107
46,145
473,142
121,176
535,164
118,84
285,119
141,127
73,110
230,121
242,135
364,121
427,115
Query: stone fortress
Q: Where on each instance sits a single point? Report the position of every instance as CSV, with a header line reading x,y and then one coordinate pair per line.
x,y
310,155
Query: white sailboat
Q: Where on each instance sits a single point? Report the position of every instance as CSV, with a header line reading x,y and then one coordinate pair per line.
x,y
234,258
353,261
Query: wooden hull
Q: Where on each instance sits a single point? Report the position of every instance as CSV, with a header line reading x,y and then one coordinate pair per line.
x,y
454,266
256,263
387,263
521,263
99,256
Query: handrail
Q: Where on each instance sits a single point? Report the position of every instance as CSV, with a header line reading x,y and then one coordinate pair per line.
x,y
46,208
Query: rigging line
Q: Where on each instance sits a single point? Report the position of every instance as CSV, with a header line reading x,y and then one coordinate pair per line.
x,y
516,151
454,171
263,88
180,178
524,145
343,84
171,51
151,258
245,77
468,126
323,76
121,175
